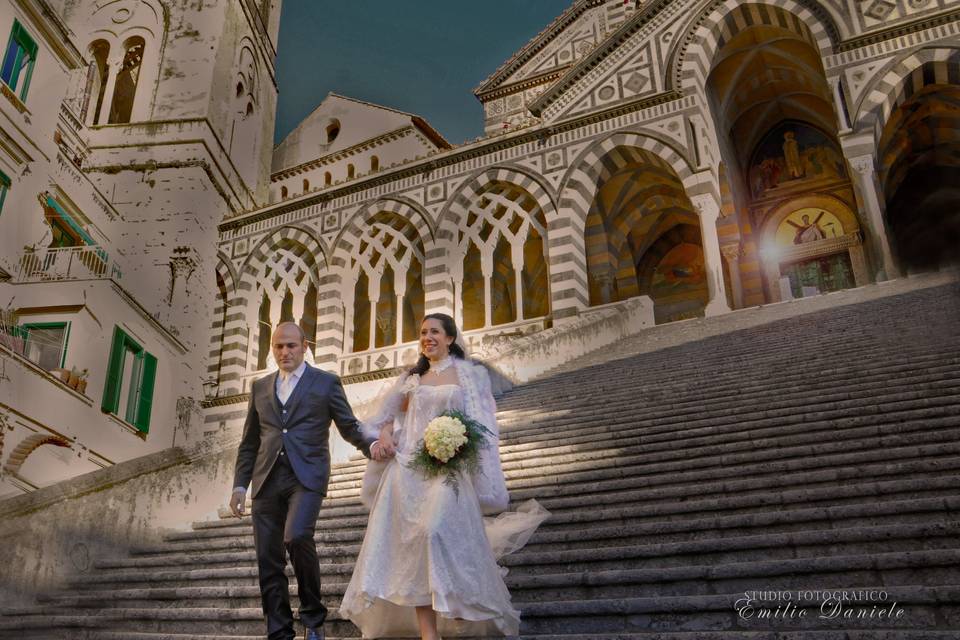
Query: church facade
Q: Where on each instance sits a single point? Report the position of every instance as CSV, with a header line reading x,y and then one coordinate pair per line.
x,y
710,155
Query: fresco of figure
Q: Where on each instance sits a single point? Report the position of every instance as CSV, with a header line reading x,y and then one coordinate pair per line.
x,y
808,231
791,154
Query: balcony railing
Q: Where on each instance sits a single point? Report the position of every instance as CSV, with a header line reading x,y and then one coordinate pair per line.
x,y
67,263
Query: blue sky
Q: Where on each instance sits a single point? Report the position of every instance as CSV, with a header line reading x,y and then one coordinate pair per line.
x,y
421,56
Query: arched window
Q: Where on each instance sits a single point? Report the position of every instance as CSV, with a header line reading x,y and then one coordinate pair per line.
x,y
388,298
333,130
100,50
327,179
126,88
283,192
306,185
239,89
351,172
249,111
374,163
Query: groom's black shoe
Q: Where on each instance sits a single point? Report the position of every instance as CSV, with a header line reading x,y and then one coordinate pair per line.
x,y
314,634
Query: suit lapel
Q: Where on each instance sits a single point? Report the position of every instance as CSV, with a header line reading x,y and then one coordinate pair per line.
x,y
274,401
302,384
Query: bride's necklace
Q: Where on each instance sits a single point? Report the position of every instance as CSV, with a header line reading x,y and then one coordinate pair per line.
x,y
441,366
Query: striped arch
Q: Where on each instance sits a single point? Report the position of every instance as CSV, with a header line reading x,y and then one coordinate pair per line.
x,y
590,170
900,80
303,257
439,284
27,446
338,284
721,21
226,281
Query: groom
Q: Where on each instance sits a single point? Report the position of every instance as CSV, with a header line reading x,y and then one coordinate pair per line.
x,y
285,452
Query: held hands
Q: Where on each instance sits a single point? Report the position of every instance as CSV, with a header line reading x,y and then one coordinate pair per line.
x,y
383,448
238,501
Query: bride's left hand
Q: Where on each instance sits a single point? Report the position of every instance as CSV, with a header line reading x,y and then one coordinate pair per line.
x,y
385,444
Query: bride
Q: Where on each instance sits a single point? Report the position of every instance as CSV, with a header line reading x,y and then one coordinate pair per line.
x,y
429,557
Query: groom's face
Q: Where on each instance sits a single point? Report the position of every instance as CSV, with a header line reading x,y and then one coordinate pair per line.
x,y
288,348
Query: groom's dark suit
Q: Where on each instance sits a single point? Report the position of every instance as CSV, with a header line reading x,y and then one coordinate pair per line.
x,y
286,455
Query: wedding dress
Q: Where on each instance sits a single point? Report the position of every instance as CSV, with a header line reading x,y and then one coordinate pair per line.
x,y
427,543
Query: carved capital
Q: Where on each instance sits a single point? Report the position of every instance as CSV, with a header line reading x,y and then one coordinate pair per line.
x,y
732,252
864,165
707,207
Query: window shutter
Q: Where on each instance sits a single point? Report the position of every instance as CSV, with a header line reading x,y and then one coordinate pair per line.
x,y
23,37
145,404
111,387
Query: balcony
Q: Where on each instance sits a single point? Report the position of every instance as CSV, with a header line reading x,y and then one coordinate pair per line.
x,y
89,262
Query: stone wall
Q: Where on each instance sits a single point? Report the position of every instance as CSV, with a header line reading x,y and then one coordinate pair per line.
x,y
59,531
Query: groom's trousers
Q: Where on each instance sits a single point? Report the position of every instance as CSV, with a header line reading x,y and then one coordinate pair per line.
x,y
284,519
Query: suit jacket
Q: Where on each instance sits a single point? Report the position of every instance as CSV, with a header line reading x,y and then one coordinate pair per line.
x,y
301,428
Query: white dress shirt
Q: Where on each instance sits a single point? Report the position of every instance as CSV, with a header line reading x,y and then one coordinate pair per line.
x,y
287,382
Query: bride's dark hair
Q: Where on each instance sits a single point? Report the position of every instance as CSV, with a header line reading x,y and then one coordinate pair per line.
x,y
449,328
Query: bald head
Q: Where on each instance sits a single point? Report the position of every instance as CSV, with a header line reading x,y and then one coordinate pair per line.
x,y
289,346
290,325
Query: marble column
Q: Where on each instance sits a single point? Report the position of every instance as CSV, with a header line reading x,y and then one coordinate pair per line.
x,y
709,210
865,179
732,253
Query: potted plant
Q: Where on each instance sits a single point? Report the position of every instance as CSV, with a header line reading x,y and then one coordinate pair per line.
x,y
73,378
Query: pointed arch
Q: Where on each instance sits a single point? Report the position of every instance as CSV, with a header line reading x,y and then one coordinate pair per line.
x,y
592,167
289,258
387,238
899,80
453,219
713,27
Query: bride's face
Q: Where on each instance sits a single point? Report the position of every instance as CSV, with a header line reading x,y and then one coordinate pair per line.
x,y
434,341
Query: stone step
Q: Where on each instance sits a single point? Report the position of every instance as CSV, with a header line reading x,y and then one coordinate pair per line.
x,y
725,464
602,397
865,380
881,424
811,545
679,494
697,401
603,527
784,545
652,420
692,404
921,605
889,473
860,634
676,369
919,409
933,306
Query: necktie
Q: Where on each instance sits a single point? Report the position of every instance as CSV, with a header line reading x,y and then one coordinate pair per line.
x,y
284,392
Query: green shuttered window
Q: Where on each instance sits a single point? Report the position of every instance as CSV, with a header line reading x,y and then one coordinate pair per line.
x,y
4,187
18,59
131,375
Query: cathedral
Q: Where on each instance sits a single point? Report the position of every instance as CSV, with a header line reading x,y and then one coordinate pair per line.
x,y
695,155
703,156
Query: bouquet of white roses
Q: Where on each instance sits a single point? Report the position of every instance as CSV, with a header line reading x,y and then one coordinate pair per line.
x,y
451,444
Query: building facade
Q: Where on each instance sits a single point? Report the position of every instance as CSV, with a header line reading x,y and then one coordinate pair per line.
x,y
130,129
710,155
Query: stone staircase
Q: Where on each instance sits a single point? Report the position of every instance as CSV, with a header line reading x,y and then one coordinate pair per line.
x,y
816,452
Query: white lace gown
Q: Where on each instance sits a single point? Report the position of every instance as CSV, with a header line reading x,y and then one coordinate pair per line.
x,y
427,545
